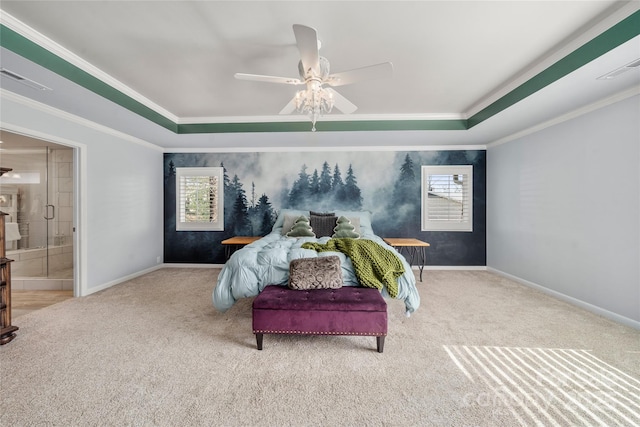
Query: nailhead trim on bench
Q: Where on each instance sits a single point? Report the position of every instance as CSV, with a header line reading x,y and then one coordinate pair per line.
x,y
372,334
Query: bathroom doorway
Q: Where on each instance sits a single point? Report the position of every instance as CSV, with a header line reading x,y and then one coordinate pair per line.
x,y
38,197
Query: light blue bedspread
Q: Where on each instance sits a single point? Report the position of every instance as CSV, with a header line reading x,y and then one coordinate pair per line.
x,y
266,262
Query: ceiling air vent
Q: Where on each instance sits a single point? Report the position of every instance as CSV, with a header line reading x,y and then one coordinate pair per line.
x,y
635,64
22,79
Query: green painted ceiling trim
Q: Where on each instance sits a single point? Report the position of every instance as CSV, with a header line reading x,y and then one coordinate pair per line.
x,y
24,47
189,128
620,33
383,125
323,126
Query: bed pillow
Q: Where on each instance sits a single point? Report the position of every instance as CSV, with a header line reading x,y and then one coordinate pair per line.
x,y
283,213
301,228
359,219
321,272
312,213
344,228
323,224
356,224
287,225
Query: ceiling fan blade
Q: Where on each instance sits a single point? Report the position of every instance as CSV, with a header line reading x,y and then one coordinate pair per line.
x,y
268,79
307,40
371,72
289,108
340,102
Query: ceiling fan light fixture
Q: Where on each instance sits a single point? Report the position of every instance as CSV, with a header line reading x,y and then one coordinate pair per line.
x,y
314,101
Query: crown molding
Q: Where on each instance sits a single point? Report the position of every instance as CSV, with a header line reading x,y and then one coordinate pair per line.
x,y
326,118
303,149
35,105
580,38
613,37
568,116
45,42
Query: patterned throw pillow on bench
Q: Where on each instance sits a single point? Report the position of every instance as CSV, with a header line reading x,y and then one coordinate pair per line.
x,y
321,272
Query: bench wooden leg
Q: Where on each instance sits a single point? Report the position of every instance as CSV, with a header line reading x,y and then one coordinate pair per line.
x,y
259,341
380,342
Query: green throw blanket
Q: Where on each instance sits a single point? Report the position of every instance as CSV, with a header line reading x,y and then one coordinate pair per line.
x,y
374,265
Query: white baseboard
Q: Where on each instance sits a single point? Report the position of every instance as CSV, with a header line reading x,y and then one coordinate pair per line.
x,y
145,271
104,286
180,265
571,300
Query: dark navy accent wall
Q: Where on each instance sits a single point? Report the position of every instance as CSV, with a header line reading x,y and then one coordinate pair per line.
x,y
386,183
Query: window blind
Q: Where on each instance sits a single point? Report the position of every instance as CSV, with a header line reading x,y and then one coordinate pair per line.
x,y
447,198
199,199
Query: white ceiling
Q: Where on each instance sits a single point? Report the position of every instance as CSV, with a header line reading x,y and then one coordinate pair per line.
x,y
451,59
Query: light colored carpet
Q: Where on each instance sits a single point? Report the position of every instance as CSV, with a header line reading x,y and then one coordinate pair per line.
x,y
480,351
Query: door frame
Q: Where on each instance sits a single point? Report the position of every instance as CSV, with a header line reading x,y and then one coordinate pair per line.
x,y
79,207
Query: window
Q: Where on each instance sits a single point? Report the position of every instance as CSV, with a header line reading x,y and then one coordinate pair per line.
x,y
447,198
199,199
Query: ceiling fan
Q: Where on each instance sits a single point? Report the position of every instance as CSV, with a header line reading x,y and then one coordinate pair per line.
x,y
317,99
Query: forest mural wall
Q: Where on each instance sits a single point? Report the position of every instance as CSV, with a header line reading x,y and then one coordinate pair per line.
x,y
385,183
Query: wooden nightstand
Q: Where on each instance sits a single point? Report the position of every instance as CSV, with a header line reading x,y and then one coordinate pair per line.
x,y
234,243
415,248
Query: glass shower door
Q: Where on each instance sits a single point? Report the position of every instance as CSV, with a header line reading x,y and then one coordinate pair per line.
x,y
23,195
40,192
59,213
30,170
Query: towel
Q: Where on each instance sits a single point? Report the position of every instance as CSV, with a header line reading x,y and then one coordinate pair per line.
x,y
12,232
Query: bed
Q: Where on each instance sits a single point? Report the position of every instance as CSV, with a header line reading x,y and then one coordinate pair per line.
x,y
266,261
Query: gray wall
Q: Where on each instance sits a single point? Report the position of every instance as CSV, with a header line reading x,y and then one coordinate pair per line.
x,y
121,190
563,209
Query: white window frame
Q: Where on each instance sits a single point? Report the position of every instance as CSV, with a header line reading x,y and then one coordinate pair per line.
x,y
181,224
454,224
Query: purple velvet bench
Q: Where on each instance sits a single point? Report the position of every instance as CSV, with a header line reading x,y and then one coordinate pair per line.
x,y
344,311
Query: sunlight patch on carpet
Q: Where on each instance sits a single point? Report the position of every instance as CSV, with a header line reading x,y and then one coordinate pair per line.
x,y
548,386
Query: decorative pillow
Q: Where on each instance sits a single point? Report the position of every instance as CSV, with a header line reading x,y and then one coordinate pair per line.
x,y
289,220
363,219
355,222
287,212
344,228
312,213
301,228
323,224
321,272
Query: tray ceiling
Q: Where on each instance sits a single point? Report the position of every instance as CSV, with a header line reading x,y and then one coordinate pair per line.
x,y
456,63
